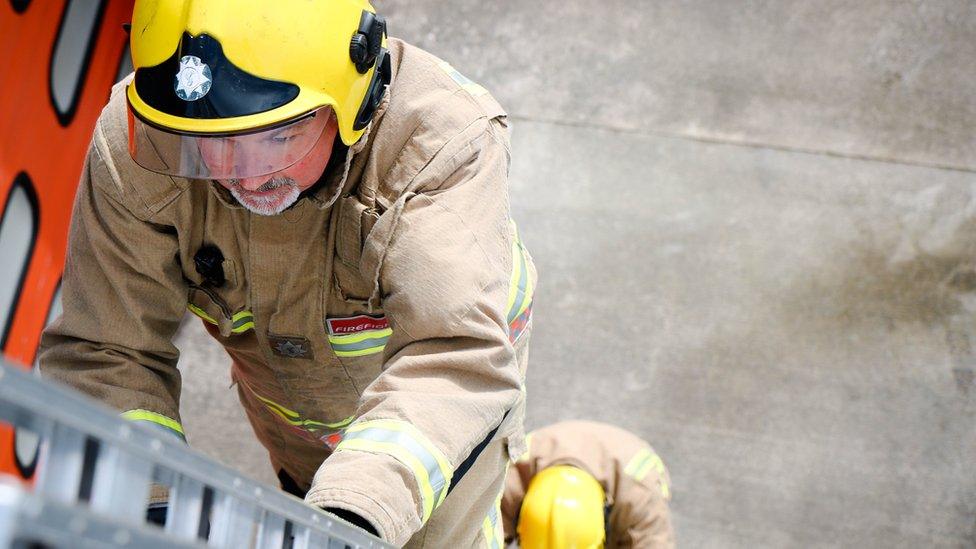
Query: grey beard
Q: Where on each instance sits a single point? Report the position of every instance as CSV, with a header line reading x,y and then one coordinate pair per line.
x,y
264,206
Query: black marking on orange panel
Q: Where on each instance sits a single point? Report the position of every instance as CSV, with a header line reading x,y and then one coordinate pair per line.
x,y
65,118
20,6
22,181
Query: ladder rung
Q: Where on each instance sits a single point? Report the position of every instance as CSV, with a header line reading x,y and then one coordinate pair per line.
x,y
61,464
121,484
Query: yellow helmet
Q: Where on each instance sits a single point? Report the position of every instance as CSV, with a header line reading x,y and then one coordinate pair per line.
x,y
218,68
564,508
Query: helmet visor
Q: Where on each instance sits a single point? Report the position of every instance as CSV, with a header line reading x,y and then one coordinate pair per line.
x,y
237,156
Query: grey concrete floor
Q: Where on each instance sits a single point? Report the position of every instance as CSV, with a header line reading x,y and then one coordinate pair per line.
x,y
755,226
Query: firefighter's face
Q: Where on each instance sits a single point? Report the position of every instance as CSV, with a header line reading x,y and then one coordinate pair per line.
x,y
272,193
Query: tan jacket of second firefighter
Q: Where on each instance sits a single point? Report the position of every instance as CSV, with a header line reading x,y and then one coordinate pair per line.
x,y
636,483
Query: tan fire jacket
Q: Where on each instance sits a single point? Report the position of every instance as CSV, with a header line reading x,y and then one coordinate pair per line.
x,y
635,480
385,316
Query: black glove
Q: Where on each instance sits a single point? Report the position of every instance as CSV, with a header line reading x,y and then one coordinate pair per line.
x,y
353,518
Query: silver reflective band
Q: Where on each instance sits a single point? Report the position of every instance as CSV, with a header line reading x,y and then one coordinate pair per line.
x,y
437,480
403,442
361,345
522,282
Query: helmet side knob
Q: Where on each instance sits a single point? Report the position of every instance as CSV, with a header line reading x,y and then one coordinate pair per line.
x,y
359,50
365,45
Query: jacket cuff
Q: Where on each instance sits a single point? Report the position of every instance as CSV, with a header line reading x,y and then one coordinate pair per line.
x,y
375,487
156,421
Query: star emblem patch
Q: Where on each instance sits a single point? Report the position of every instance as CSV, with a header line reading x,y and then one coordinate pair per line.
x,y
194,79
290,347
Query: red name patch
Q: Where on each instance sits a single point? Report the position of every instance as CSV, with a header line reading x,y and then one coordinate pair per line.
x,y
356,324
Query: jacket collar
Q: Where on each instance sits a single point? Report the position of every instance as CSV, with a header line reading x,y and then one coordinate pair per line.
x,y
339,183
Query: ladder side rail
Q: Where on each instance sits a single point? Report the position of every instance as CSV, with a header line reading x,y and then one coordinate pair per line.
x,y
29,520
25,401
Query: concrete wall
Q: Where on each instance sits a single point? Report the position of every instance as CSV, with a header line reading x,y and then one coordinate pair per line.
x,y
754,226
884,79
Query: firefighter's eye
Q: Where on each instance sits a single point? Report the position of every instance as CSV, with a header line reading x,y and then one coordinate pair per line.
x,y
282,138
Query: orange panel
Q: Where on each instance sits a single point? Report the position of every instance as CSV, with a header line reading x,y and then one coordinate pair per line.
x,y
44,150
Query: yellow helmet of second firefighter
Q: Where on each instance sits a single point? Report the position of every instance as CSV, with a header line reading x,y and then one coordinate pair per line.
x,y
564,508
213,69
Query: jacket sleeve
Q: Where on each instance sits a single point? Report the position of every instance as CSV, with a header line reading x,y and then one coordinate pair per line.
x,y
642,515
646,520
450,374
123,298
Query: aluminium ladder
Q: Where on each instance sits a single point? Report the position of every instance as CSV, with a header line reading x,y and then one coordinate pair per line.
x,y
94,475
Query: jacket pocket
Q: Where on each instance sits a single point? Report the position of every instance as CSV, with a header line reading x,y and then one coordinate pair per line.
x,y
356,220
358,342
210,306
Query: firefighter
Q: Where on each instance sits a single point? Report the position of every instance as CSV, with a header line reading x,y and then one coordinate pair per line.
x,y
587,485
333,204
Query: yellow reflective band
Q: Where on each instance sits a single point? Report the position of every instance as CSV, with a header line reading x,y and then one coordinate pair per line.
x,y
243,328
153,417
405,443
520,287
513,287
528,448
361,352
658,466
400,454
492,526
283,412
642,463
277,412
469,86
493,538
529,289
364,343
646,467
242,321
200,313
336,425
488,532
637,462
293,418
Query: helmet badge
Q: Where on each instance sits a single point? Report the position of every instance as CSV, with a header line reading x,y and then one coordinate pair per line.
x,y
194,79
